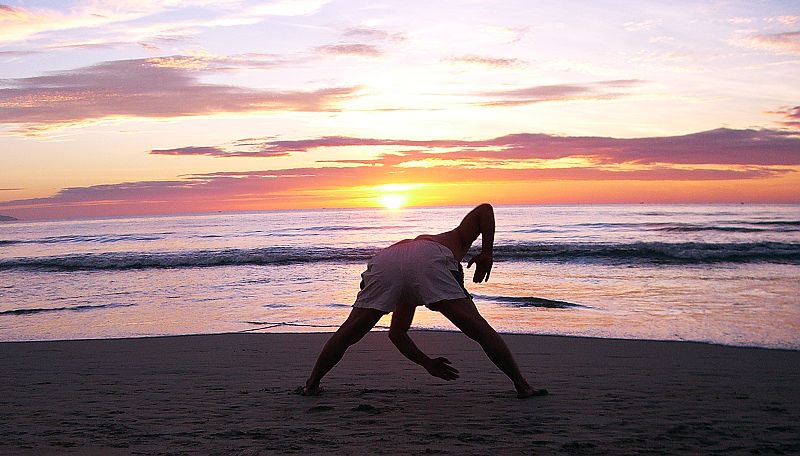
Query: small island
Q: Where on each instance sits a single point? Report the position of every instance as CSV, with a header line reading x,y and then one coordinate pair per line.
x,y
7,218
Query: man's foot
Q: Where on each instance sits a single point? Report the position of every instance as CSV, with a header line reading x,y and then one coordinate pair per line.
x,y
530,392
308,391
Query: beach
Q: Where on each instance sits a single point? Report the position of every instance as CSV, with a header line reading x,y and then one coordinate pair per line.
x,y
232,394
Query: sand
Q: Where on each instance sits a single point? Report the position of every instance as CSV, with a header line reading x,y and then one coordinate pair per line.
x,y
231,394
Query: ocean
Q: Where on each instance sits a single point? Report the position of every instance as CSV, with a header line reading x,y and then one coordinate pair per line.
x,y
724,274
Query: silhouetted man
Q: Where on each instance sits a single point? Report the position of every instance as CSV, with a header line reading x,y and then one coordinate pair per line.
x,y
425,271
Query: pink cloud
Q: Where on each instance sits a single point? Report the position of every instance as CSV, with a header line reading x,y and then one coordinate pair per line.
x,y
149,88
559,92
7,11
721,146
791,117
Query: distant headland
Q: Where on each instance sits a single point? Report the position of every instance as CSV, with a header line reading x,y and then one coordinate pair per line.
x,y
7,218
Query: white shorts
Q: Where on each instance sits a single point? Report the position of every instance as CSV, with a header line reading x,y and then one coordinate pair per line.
x,y
418,271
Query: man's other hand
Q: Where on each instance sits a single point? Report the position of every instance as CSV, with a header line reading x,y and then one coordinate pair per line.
x,y
440,367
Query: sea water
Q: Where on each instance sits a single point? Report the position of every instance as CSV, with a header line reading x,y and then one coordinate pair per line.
x,y
727,274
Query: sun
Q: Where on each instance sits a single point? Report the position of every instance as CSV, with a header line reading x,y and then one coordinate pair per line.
x,y
392,200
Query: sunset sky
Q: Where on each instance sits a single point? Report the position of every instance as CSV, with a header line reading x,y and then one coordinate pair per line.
x,y
146,107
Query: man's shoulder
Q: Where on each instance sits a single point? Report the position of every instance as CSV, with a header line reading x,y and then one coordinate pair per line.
x,y
442,238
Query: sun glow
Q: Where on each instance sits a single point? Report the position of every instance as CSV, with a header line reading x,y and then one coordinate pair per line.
x,y
392,200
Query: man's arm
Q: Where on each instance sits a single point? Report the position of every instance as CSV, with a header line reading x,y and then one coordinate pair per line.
x,y
479,221
398,333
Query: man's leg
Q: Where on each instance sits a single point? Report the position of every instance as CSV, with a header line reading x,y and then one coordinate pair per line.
x,y
358,324
464,314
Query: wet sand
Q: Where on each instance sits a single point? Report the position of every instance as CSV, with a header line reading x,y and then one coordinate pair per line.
x,y
231,394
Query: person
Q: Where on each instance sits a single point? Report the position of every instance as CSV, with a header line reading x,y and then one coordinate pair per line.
x,y
425,271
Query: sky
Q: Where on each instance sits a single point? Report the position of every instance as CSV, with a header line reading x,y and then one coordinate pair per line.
x,y
127,107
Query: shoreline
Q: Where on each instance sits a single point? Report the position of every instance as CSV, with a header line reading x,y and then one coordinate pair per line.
x,y
378,329
231,393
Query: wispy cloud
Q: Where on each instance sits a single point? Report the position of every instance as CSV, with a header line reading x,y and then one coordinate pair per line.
x,y
601,90
351,49
270,147
487,61
662,56
287,7
148,88
17,24
785,19
643,25
777,43
24,24
241,148
791,117
372,34
18,53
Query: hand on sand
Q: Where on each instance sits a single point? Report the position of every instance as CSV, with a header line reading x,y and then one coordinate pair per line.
x,y
483,266
439,367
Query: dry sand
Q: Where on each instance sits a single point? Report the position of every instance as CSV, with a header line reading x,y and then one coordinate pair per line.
x,y
230,394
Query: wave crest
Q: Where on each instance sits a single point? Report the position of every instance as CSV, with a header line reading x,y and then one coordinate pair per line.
x,y
654,252
626,253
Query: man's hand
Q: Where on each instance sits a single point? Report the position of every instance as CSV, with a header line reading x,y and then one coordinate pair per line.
x,y
483,266
439,367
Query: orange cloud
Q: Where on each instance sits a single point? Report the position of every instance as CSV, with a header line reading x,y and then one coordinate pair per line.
x,y
714,166
339,187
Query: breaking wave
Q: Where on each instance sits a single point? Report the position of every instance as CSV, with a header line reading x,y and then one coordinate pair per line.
x,y
623,253
82,308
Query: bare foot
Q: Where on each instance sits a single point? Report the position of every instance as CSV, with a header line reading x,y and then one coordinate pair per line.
x,y
530,392
308,390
